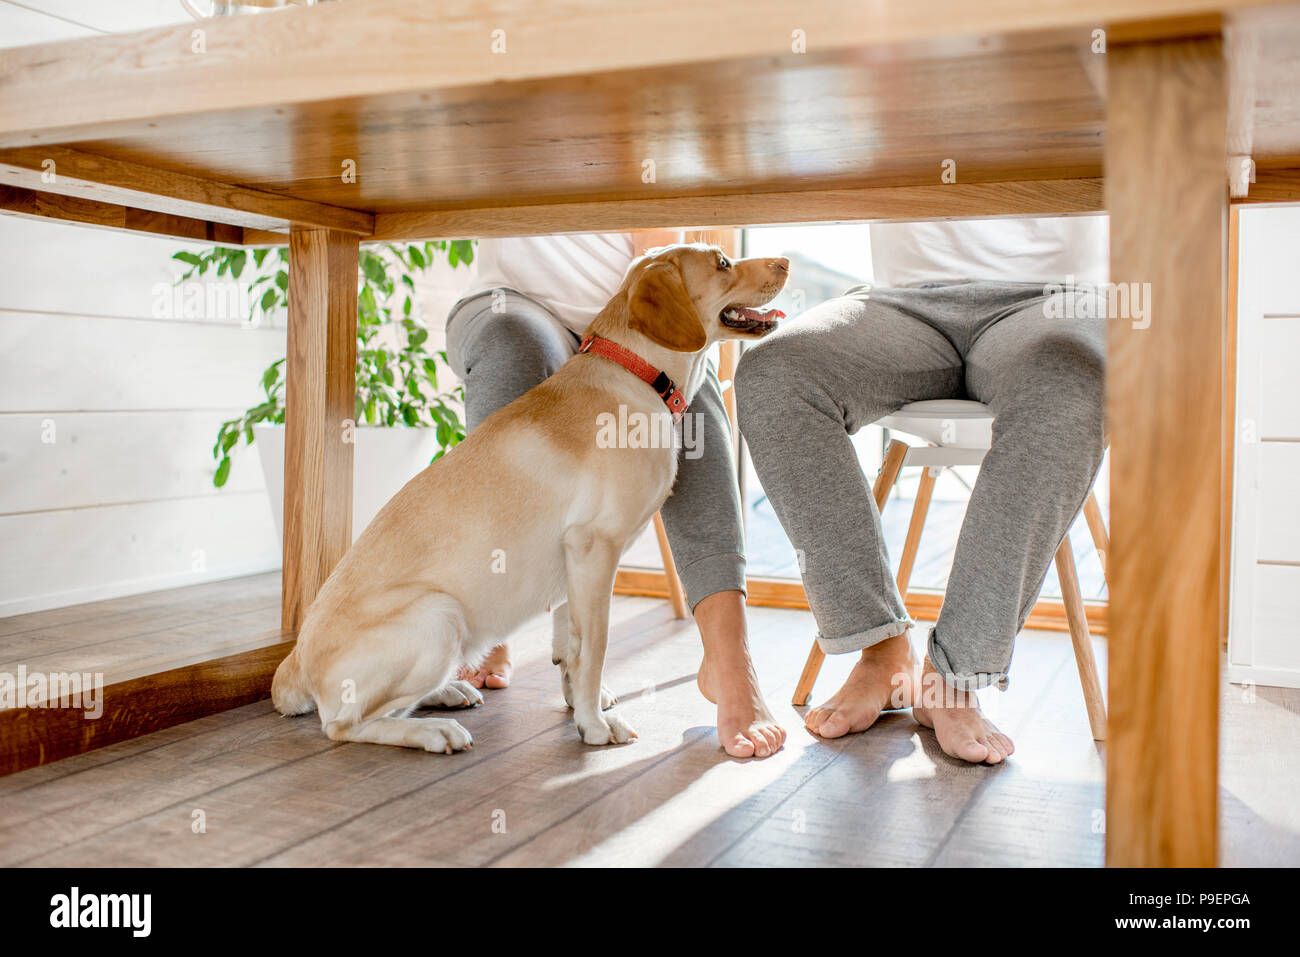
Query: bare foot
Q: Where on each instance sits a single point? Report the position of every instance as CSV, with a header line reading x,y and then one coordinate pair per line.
x,y
884,678
955,716
494,672
746,728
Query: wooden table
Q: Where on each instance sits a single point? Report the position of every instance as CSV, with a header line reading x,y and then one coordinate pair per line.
x,y
465,119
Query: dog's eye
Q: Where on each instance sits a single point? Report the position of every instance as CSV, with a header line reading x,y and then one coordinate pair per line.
x,y
724,263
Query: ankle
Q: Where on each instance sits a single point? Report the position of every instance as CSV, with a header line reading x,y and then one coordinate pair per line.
x,y
893,648
936,694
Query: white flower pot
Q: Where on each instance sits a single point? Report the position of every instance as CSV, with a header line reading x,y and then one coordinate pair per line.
x,y
383,460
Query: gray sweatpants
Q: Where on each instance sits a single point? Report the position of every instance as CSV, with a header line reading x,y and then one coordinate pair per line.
x,y
501,355
852,360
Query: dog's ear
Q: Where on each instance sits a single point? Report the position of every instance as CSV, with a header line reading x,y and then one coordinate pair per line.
x,y
660,309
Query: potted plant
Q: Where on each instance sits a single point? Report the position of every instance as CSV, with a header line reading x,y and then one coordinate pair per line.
x,y
404,420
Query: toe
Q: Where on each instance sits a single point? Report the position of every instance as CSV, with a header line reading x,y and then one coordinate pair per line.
x,y
739,746
814,718
995,753
1005,744
970,750
496,679
836,725
774,738
763,745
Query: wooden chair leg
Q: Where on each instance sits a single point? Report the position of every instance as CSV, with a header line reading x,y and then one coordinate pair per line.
x,y
1082,640
919,511
889,470
676,594
1100,537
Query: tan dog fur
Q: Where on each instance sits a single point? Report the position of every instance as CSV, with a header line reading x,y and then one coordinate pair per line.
x,y
528,512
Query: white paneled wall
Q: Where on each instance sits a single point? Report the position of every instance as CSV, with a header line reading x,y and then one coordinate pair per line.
x,y
107,420
1264,634
108,412
107,415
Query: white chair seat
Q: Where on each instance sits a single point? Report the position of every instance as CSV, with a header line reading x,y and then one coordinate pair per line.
x,y
948,423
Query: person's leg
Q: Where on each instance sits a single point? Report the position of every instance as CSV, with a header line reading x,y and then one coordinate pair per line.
x,y
706,531
500,355
1042,376
802,393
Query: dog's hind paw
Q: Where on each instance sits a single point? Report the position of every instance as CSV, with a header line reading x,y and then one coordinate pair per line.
x,y
443,736
455,694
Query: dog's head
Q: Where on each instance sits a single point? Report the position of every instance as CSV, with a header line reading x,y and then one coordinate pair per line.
x,y
686,297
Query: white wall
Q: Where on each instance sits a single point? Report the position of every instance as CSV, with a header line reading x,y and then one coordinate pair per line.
x,y
1264,631
107,420
108,413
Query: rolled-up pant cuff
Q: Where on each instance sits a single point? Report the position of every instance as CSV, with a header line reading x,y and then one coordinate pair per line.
x,y
961,680
708,576
863,639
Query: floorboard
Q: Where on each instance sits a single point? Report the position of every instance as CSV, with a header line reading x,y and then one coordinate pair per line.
x,y
248,787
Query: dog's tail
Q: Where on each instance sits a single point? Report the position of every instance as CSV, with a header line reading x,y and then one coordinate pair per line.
x,y
288,691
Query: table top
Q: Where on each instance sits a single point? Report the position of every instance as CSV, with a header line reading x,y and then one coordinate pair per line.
x,y
588,101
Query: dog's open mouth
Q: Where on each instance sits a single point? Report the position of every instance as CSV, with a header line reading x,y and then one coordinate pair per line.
x,y
746,319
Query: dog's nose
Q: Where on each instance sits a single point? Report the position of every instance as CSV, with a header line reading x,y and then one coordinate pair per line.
x,y
781,265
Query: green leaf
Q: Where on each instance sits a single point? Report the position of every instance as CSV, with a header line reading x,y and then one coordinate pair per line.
x,y
372,267
367,301
190,258
237,263
223,472
282,279
259,256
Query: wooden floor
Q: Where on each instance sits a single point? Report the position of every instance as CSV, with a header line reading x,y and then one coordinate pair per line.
x,y
142,634
274,791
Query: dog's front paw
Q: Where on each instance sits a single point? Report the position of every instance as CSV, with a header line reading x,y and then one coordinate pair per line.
x,y
455,694
607,698
607,728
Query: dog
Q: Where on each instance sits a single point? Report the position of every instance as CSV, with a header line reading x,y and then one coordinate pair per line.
x,y
528,513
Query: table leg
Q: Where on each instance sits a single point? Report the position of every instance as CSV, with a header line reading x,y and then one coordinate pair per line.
x,y
319,394
1167,194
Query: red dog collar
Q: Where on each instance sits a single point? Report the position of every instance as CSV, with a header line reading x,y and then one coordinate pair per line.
x,y
643,370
